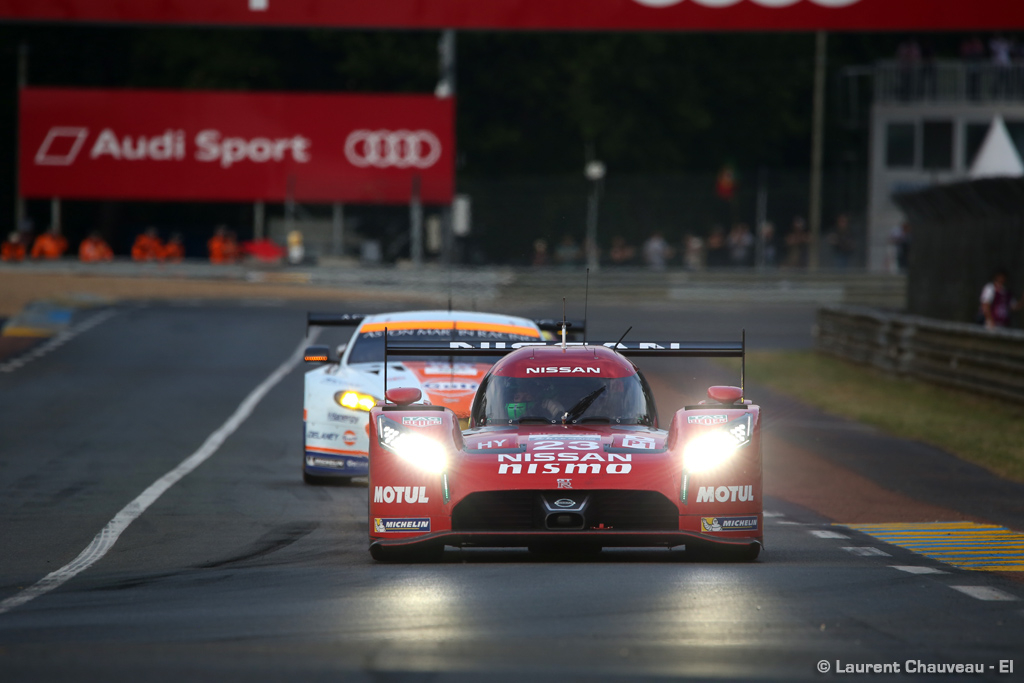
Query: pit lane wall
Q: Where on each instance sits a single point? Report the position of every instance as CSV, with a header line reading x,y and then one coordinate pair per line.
x,y
960,355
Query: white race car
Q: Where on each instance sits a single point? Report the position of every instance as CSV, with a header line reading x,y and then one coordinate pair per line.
x,y
340,394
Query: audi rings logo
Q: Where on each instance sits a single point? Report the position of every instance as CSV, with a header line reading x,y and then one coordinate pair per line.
x,y
392,148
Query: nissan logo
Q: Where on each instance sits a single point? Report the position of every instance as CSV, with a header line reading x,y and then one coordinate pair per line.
x,y
392,148
565,502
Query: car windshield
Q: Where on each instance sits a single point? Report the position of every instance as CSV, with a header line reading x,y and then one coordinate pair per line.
x,y
368,347
574,400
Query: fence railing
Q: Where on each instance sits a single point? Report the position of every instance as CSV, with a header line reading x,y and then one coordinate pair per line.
x,y
964,356
948,81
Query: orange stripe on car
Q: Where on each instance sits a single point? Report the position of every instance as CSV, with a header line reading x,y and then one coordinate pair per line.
x,y
322,449
447,325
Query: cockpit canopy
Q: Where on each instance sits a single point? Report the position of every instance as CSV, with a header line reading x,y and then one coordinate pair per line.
x,y
588,386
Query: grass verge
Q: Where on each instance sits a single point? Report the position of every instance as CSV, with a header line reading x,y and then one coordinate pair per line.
x,y
981,430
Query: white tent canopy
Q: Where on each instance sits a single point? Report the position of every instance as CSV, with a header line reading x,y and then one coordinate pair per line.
x,y
998,157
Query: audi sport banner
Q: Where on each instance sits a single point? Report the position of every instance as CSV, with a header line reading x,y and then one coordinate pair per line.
x,y
662,15
143,144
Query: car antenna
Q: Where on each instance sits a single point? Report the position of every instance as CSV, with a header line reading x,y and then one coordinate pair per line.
x,y
564,324
586,298
385,364
743,363
622,337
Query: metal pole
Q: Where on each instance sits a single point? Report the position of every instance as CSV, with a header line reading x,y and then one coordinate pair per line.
x,y
591,242
446,64
817,143
338,229
55,218
416,224
19,201
258,220
761,218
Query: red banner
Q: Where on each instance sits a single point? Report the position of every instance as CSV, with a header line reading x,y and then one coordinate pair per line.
x,y
660,15
217,146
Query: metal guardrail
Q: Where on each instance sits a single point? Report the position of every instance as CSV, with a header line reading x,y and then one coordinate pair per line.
x,y
959,355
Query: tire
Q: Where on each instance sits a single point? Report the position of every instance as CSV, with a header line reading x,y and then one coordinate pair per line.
x,y
747,553
382,553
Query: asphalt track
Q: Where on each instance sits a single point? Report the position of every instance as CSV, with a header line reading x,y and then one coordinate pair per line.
x,y
239,571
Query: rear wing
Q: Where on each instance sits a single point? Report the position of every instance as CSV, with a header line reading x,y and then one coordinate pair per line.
x,y
333,320
639,349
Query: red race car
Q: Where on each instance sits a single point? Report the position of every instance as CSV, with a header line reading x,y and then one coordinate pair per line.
x,y
564,453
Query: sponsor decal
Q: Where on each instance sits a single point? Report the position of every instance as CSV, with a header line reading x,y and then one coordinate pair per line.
x,y
391,525
640,442
323,436
418,421
563,370
728,523
400,494
559,438
725,494
496,443
326,462
459,370
338,417
565,483
349,438
707,420
564,463
450,386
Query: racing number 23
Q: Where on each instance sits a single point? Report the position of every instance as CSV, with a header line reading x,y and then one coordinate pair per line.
x,y
575,445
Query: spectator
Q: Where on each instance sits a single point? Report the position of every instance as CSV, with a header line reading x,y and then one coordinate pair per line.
x,y
798,242
768,249
972,52
621,254
540,252
693,252
997,302
50,245
908,54
94,249
657,251
147,246
1001,49
568,253
741,245
842,242
13,250
218,246
717,249
899,243
174,250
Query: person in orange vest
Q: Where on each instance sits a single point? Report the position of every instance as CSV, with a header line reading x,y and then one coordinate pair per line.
x,y
148,246
13,250
174,250
232,250
218,245
50,245
94,249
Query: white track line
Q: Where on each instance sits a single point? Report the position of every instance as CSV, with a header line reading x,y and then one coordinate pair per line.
x,y
867,551
828,534
106,538
984,593
56,341
915,569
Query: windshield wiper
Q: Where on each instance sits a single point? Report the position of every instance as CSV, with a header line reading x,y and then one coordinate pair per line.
x,y
582,406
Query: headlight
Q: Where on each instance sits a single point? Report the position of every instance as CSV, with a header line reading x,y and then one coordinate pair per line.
x,y
711,449
355,401
421,451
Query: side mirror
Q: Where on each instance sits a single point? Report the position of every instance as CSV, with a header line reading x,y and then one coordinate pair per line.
x,y
317,354
725,394
403,396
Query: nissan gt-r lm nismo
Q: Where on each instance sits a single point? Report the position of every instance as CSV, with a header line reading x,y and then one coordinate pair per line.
x,y
564,451
340,394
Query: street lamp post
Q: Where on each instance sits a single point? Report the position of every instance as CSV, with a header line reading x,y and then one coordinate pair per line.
x,y
594,171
